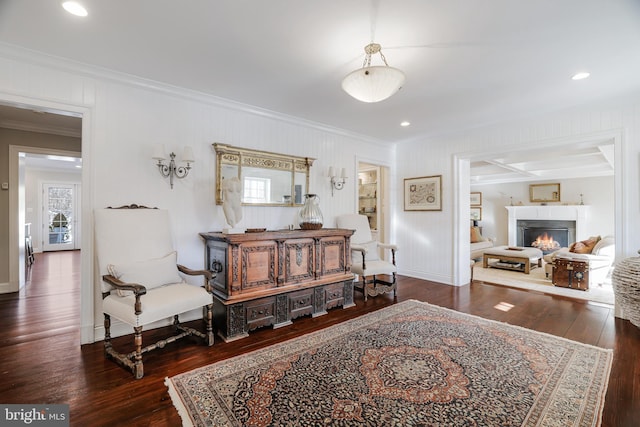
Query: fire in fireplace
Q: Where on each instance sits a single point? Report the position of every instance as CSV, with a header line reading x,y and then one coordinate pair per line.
x,y
546,235
546,243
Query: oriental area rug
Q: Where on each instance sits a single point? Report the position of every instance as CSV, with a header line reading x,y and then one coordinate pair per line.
x,y
410,364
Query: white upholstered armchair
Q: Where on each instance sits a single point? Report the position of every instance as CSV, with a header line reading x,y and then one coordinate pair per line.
x,y
365,258
141,282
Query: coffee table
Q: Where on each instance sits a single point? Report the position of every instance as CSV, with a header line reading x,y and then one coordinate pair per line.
x,y
512,258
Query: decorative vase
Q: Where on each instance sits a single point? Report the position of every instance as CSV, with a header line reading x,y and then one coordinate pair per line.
x,y
310,216
626,287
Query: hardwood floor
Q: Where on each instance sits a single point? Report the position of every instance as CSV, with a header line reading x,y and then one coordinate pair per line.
x,y
42,361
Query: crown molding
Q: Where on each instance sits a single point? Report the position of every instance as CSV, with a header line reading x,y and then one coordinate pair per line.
x,y
91,71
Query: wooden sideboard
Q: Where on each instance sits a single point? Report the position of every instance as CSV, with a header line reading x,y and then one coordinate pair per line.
x,y
272,277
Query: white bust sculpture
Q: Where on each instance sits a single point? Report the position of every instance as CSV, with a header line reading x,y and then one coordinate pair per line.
x,y
231,203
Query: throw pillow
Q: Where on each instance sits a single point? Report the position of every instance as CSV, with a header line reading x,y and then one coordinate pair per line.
x,y
372,251
585,246
475,235
150,273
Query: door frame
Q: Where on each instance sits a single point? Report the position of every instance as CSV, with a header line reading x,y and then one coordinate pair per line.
x,y
87,334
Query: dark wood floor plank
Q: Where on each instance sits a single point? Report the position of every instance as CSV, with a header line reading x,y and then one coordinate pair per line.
x,y
41,361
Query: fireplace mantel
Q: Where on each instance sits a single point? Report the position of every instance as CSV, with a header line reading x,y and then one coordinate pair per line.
x,y
577,213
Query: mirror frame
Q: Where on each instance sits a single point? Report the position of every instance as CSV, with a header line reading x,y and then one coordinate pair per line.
x,y
246,157
544,192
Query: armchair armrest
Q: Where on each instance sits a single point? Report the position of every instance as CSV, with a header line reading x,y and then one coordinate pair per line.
x,y
388,246
393,249
124,286
363,251
138,290
358,248
208,275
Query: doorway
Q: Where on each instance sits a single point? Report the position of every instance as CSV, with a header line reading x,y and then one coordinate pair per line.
x,y
32,135
373,198
463,184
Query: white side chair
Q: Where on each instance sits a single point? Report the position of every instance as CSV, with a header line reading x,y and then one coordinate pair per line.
x,y
365,258
140,279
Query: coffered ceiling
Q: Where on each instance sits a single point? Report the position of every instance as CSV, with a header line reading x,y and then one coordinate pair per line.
x,y
540,164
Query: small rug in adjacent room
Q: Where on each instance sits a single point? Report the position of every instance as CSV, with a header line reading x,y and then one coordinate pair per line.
x,y
538,281
410,364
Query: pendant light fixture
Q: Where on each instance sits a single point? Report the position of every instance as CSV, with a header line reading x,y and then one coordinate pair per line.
x,y
373,83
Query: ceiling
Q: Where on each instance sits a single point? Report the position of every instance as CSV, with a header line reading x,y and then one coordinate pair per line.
x,y
578,160
467,63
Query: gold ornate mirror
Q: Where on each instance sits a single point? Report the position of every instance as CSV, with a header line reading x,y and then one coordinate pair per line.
x,y
544,192
268,179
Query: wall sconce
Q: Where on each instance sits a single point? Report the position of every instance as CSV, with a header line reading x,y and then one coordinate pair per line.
x,y
170,170
337,182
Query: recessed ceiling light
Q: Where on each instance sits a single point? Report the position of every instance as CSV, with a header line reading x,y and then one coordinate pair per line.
x,y
405,123
580,76
75,8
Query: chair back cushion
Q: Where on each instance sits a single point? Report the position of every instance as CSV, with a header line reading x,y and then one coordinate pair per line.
x,y
359,223
128,236
151,273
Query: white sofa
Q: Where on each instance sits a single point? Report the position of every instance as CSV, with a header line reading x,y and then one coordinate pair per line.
x,y
477,249
599,260
480,244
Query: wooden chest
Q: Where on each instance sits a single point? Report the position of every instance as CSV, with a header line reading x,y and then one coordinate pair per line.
x,y
273,277
570,274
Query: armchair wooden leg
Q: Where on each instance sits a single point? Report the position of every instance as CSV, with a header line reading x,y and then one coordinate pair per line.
x,y
138,369
209,325
395,286
107,336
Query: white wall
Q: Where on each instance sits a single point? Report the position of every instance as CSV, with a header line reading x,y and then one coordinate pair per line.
x,y
427,238
598,195
126,117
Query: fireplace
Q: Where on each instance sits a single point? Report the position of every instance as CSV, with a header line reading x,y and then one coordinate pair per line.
x,y
564,224
546,235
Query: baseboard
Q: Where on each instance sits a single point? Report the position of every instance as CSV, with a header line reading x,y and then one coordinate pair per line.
x,y
447,280
6,287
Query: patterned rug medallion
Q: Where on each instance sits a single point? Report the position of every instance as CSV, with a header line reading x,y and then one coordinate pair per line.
x,y
410,364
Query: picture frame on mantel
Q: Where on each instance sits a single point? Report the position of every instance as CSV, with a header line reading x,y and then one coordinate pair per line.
x,y
423,193
476,198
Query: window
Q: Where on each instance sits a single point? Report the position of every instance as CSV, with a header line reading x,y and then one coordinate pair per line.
x,y
256,190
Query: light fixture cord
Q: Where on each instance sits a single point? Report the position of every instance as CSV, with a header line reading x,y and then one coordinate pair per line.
x,y
375,7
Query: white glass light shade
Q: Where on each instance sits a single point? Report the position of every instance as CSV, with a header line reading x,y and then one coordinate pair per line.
x,y
158,152
373,84
187,155
75,8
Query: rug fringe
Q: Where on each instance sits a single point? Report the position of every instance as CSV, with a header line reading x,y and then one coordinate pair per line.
x,y
178,403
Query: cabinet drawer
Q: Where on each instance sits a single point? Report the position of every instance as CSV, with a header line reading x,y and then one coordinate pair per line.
x,y
301,303
334,295
260,312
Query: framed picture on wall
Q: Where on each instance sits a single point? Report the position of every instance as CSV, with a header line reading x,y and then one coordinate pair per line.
x,y
423,193
476,214
476,199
